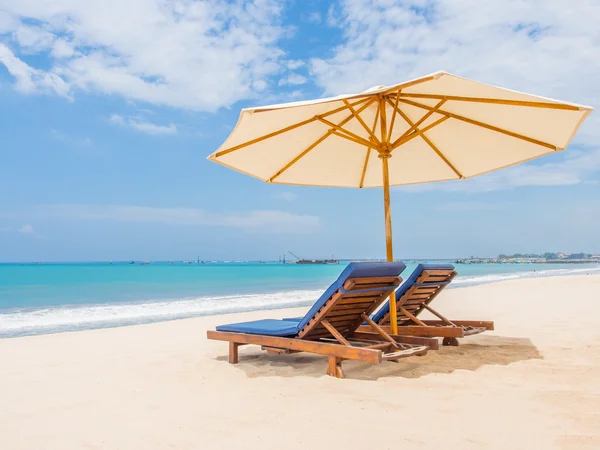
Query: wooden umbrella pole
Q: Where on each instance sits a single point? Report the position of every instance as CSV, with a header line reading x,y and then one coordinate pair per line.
x,y
388,233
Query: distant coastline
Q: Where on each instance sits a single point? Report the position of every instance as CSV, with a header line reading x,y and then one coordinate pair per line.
x,y
532,258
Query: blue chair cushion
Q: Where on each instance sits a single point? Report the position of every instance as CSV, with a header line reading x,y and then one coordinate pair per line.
x,y
268,327
380,314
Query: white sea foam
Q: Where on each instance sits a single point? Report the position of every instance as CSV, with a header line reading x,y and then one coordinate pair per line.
x,y
21,322
493,278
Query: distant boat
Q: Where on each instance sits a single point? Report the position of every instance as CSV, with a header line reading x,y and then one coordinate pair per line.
x,y
313,261
132,262
143,263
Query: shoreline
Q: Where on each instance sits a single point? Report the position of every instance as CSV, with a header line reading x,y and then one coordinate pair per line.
x,y
36,321
164,384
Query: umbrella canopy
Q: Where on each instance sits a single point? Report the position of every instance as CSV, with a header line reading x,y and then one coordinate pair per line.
x,y
435,128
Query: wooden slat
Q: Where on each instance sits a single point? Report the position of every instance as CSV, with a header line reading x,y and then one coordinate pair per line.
x,y
346,311
352,300
320,348
322,313
418,297
345,317
341,306
360,295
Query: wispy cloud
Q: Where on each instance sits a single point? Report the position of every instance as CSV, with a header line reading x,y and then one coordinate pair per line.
x,y
29,80
269,221
143,126
26,229
285,196
102,46
292,78
294,64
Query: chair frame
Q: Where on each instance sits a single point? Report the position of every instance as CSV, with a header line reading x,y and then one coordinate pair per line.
x,y
418,297
334,330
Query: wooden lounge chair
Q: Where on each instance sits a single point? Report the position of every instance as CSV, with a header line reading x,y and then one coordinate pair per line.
x,y
330,326
415,296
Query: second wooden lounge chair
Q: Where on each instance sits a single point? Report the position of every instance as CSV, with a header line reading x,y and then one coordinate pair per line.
x,y
415,296
330,326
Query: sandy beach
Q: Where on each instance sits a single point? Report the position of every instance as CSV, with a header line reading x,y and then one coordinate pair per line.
x,y
532,383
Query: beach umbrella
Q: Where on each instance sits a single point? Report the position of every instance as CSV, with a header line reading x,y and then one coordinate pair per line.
x,y
435,128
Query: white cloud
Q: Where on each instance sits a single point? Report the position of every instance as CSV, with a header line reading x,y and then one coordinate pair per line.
x,y
294,64
62,49
26,229
29,80
292,78
269,221
286,196
549,48
33,39
197,55
143,126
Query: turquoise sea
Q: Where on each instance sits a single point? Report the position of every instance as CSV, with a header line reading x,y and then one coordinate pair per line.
x,y
50,298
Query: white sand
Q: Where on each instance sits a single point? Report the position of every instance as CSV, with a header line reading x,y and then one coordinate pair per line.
x,y
532,383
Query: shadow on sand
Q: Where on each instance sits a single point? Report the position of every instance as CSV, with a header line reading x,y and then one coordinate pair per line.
x,y
472,354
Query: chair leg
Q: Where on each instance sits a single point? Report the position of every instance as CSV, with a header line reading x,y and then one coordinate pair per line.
x,y
233,352
451,341
334,369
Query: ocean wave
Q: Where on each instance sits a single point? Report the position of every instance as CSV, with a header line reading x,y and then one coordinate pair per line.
x,y
32,321
22,322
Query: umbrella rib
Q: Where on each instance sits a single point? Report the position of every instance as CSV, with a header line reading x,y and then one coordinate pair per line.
x,y
442,156
497,101
285,129
342,132
414,126
483,125
421,132
364,171
382,118
360,120
317,142
394,114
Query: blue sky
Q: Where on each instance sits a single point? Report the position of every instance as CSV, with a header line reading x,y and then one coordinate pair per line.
x,y
110,108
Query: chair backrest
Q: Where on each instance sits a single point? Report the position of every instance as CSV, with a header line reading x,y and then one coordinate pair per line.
x,y
360,289
423,285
